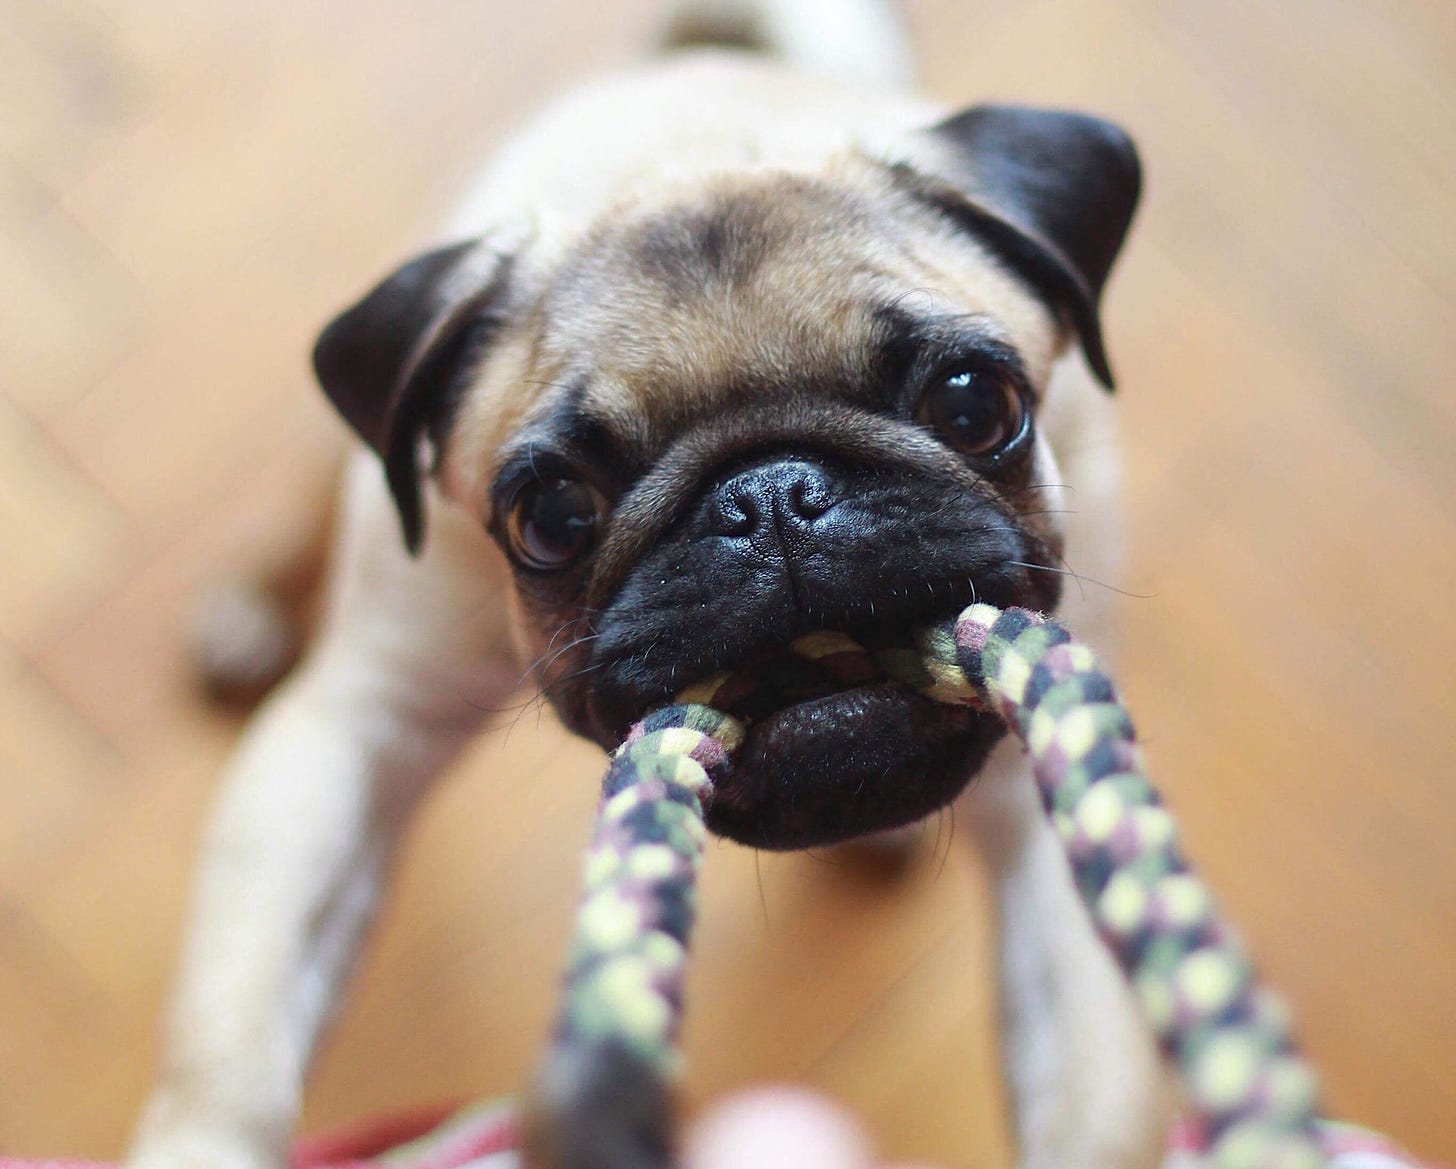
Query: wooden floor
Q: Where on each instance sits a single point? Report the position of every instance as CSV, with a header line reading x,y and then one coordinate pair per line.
x,y
187,190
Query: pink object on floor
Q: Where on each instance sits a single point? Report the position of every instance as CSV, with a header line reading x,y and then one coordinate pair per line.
x,y
484,1136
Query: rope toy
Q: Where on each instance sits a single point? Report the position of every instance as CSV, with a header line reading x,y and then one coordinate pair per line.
x,y
607,1082
604,1096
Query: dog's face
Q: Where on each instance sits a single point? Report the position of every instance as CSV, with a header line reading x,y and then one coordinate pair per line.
x,y
770,404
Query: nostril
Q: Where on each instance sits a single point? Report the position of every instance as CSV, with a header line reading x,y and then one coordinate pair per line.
x,y
736,513
810,497
784,494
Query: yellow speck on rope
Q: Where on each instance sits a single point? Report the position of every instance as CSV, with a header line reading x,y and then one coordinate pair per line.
x,y
650,862
1290,1086
950,682
608,920
982,614
1154,827
1041,732
625,983
1013,676
689,773
1224,1071
678,741
1208,981
663,951
620,804
1077,733
601,865
1182,899
1123,906
1099,813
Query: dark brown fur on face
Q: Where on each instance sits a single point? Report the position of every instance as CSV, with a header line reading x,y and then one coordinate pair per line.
x,y
709,361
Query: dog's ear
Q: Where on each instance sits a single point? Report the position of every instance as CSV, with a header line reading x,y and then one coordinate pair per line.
x,y
1050,192
395,364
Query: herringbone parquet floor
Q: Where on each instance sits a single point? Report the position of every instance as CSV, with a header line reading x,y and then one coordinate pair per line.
x,y
188,190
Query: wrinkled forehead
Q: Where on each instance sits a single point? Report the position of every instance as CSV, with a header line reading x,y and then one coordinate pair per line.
x,y
735,291
774,287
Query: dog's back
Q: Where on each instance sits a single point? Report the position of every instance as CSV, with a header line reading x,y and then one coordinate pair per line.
x,y
861,41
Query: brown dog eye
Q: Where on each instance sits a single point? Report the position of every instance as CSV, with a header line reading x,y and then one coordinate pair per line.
x,y
978,414
553,523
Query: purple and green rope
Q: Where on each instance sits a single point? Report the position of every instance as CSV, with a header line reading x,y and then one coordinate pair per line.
x,y
603,1097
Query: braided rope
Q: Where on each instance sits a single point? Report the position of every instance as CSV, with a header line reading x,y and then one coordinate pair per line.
x,y
1251,1097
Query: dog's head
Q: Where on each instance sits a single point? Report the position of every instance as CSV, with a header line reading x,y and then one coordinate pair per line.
x,y
766,404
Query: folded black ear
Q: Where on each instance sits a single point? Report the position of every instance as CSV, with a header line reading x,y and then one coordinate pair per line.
x,y
394,364
1050,192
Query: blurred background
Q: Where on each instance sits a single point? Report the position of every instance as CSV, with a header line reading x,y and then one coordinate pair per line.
x,y
187,190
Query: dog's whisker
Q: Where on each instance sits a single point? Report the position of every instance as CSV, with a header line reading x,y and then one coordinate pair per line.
x,y
536,701
758,879
540,669
577,643
1102,584
950,812
530,670
1081,590
581,673
1008,494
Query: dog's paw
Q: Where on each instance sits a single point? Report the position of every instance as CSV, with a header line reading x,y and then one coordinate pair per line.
x,y
188,1129
199,1148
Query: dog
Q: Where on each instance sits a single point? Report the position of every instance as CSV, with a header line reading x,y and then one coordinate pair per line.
x,y
746,343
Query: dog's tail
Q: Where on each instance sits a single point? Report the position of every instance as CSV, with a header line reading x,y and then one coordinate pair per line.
x,y
855,40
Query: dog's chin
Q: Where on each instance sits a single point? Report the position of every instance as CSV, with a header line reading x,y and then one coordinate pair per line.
x,y
847,764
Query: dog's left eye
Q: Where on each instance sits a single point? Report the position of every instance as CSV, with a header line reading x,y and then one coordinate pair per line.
x,y
977,413
552,523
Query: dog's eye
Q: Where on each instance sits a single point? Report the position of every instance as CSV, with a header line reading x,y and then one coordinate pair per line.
x,y
553,523
977,413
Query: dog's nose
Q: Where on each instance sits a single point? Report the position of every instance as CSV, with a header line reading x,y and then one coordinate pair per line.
x,y
781,499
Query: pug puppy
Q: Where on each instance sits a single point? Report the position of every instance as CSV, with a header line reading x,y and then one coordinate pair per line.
x,y
733,348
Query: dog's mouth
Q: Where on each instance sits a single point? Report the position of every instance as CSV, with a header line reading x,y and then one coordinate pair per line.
x,y
831,754
833,750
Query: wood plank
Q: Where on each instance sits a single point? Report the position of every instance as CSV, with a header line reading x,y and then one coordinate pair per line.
x,y
64,533
921,1066
82,310
187,192
125,662
63,88
49,1001
115,910
54,771
1314,104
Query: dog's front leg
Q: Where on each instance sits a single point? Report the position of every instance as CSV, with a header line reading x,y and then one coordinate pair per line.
x,y
1086,1088
412,655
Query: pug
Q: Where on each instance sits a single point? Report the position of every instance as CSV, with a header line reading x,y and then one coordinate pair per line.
x,y
744,344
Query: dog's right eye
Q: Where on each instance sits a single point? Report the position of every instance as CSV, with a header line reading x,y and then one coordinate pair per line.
x,y
552,523
979,414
